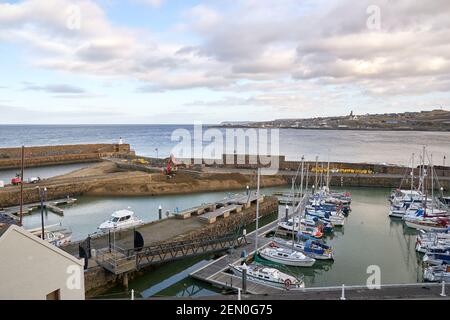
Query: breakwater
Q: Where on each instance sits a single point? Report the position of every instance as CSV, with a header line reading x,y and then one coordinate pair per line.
x,y
10,158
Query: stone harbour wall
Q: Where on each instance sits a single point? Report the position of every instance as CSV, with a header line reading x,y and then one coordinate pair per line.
x,y
10,158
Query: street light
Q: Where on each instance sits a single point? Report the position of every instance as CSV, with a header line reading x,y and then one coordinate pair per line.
x,y
156,149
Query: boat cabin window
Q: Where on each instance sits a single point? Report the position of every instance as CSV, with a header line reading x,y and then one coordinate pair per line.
x,y
115,219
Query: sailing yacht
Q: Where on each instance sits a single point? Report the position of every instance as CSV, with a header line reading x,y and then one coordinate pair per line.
x,y
286,256
311,248
268,276
427,224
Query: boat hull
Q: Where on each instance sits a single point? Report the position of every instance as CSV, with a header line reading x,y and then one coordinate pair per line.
x,y
419,226
271,283
288,262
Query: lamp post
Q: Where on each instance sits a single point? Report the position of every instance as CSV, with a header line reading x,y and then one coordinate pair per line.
x,y
42,193
156,149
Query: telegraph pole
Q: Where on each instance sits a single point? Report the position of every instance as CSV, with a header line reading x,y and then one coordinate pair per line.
x,y
21,184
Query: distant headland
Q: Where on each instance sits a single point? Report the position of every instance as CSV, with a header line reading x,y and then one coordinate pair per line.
x,y
435,120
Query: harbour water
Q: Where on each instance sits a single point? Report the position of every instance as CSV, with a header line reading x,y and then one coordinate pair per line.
x,y
42,172
369,238
340,145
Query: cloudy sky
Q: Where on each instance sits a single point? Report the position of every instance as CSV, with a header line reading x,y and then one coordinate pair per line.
x,y
167,61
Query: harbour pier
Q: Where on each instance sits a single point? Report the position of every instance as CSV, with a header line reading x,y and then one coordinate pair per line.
x,y
416,291
53,205
215,273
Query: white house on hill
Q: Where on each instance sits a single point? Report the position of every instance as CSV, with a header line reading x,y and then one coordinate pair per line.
x,y
33,269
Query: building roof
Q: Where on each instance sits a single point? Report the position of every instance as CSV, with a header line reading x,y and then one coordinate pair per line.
x,y
4,231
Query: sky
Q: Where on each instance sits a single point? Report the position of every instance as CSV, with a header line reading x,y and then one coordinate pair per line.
x,y
167,61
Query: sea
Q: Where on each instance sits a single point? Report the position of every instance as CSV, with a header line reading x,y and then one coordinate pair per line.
x,y
387,147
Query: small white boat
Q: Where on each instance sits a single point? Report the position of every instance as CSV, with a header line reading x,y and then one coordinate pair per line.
x,y
122,219
437,273
423,246
286,257
55,234
268,276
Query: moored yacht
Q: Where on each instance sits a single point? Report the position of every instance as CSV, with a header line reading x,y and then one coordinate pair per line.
x,y
55,234
286,257
310,248
268,276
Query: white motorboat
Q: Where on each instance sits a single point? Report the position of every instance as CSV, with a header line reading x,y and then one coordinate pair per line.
x,y
268,276
55,234
401,195
423,246
286,257
122,219
437,256
437,273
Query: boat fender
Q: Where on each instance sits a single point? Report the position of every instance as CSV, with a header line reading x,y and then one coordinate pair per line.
x,y
287,284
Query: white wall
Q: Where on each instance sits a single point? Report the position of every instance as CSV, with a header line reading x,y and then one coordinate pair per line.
x,y
30,270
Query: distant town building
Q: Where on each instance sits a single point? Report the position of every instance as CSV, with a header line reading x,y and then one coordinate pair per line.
x,y
33,269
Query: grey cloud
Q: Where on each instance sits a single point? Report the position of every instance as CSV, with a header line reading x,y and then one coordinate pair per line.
x,y
54,88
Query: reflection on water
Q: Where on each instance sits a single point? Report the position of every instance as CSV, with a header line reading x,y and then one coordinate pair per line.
x,y
171,279
369,237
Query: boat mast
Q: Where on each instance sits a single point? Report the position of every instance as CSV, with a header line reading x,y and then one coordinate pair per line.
x,y
301,177
257,211
412,174
301,194
321,175
317,168
424,178
293,206
432,183
307,179
328,173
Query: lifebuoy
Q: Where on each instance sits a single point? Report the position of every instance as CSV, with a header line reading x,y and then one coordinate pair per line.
x,y
287,284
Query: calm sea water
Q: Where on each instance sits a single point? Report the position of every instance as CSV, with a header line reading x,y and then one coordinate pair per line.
x,y
369,238
348,146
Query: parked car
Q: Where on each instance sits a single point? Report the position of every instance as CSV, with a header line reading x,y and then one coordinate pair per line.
x,y
34,180
16,181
